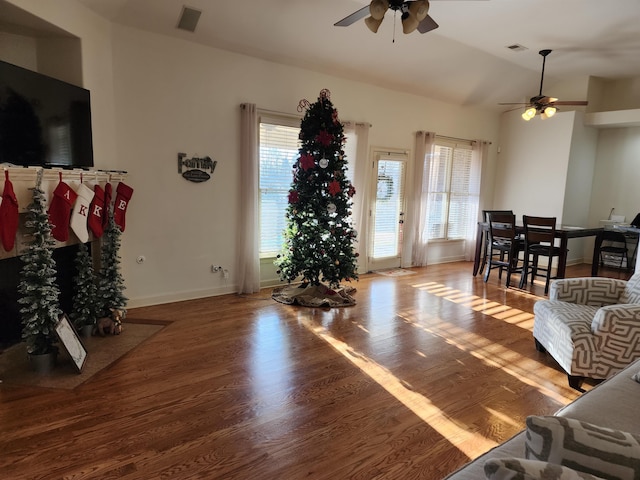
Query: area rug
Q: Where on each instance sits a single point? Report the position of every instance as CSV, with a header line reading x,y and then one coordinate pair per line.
x,y
394,272
101,352
314,296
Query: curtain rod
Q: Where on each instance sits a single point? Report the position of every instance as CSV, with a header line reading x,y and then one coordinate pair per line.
x,y
455,139
262,111
349,122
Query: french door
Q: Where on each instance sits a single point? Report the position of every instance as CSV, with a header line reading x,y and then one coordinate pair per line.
x,y
387,210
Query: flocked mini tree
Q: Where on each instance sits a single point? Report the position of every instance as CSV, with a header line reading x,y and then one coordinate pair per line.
x,y
319,236
84,300
110,281
39,294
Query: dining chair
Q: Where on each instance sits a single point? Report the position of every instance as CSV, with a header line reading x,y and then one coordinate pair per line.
x,y
504,245
539,241
485,241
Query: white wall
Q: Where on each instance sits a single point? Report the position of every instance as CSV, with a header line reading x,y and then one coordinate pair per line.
x,y
532,164
616,174
579,182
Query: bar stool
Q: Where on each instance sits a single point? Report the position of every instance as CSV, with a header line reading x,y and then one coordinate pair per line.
x,y
485,241
539,238
504,245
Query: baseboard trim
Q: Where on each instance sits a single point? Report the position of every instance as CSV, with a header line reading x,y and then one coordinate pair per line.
x,y
180,296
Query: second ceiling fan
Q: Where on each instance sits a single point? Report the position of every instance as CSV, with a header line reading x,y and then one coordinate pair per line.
x,y
541,104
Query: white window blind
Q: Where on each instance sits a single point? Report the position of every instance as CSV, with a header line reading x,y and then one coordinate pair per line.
x,y
389,205
449,184
279,144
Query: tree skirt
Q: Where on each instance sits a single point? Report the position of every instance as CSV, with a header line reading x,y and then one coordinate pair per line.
x,y
314,295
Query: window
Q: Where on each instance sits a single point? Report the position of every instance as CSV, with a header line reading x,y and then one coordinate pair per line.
x,y
279,146
449,190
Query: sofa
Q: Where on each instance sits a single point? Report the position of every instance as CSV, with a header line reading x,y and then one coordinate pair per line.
x,y
613,404
590,326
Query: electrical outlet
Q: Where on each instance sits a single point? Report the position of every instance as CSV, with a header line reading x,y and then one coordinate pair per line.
x,y
215,268
225,273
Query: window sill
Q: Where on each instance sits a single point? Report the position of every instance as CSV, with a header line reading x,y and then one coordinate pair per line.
x,y
446,240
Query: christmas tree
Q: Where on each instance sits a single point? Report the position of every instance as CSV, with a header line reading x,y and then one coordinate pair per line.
x,y
39,293
84,301
319,236
110,281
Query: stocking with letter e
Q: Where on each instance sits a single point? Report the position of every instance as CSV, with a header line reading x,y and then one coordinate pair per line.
x,y
123,196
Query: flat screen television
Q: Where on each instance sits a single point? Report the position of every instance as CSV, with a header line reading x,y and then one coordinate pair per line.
x,y
43,121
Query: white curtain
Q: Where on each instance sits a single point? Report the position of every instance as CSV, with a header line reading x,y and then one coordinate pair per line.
x,y
479,152
361,176
249,224
420,197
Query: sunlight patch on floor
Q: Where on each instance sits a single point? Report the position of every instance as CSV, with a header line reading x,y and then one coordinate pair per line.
x,y
493,354
467,442
491,308
503,418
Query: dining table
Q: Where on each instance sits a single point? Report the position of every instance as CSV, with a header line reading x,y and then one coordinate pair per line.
x,y
563,233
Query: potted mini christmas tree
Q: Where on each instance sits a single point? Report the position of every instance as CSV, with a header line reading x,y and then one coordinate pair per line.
x,y
110,281
39,293
84,311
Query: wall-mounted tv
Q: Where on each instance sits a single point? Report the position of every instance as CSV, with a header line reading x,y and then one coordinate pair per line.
x,y
43,121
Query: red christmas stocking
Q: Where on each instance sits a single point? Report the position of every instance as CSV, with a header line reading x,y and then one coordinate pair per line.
x,y
8,214
123,195
96,212
60,211
107,205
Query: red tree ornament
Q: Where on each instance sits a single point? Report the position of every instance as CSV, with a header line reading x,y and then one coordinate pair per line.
x,y
324,138
307,161
334,188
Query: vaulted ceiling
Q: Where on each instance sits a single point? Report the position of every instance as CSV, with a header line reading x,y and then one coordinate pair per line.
x,y
465,61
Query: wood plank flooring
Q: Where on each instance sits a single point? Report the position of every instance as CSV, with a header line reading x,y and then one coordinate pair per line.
x,y
426,372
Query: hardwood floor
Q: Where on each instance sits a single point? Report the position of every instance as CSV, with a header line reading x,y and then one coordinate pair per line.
x,y
426,372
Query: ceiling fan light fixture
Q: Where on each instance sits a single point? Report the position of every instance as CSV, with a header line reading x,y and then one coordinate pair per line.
x,y
377,8
529,113
373,24
548,112
409,23
419,9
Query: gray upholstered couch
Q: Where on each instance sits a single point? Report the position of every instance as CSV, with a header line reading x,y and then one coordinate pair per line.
x,y
614,404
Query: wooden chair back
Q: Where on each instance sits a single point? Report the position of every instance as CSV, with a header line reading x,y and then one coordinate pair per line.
x,y
539,230
502,227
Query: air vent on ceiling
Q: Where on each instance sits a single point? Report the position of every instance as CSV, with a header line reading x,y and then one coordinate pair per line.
x,y
517,48
189,19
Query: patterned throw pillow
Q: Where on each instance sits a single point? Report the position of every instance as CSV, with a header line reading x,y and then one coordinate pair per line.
x,y
521,469
631,293
606,453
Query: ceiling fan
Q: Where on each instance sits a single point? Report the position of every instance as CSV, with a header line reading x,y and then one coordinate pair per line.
x,y
545,106
414,15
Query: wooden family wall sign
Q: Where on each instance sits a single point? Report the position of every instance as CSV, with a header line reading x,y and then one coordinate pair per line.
x,y
196,169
